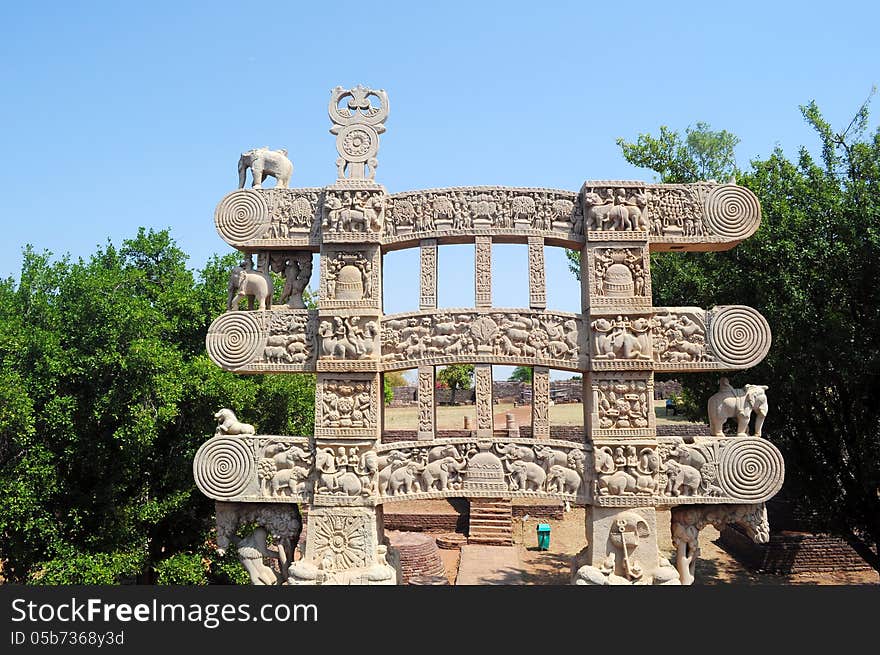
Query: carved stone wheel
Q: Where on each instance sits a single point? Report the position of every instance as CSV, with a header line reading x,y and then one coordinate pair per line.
x,y
357,142
732,212
739,336
223,467
242,216
235,339
751,469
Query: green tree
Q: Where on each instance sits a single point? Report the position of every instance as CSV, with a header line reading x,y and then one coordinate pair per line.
x,y
812,271
702,154
106,394
521,374
455,377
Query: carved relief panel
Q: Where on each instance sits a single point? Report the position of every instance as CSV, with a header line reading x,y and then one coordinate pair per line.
x,y
347,407
448,336
477,467
478,209
619,276
615,210
621,405
352,213
621,342
350,277
349,341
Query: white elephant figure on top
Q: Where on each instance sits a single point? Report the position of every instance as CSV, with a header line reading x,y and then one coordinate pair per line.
x,y
739,404
264,163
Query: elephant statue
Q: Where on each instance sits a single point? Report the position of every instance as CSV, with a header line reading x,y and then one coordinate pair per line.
x,y
527,476
439,471
561,479
244,282
403,479
263,163
739,404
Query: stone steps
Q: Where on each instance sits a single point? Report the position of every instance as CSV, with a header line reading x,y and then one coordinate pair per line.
x,y
490,522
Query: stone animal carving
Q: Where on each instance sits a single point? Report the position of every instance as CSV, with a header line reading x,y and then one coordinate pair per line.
x,y
332,481
227,423
619,483
739,404
442,452
684,480
247,283
527,476
264,163
439,472
404,479
561,479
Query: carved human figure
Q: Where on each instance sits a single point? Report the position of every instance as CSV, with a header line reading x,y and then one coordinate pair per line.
x,y
264,163
296,278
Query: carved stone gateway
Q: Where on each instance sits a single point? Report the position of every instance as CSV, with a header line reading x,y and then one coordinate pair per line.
x,y
621,470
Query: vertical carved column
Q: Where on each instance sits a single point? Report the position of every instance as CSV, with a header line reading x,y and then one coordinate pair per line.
x,y
427,406
483,277
483,392
537,284
428,279
541,402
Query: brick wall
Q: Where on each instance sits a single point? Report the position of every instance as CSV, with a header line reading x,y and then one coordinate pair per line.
x,y
793,552
683,429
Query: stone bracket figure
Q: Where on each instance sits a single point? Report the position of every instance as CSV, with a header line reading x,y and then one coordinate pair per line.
x,y
283,522
687,521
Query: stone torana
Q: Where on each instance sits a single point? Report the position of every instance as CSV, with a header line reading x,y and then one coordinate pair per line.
x,y
344,474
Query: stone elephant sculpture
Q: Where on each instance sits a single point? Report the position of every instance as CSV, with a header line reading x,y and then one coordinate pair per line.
x,y
441,452
250,284
439,472
684,480
404,480
263,163
561,479
527,476
739,404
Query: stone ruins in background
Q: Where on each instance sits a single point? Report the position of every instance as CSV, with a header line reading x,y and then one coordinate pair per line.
x,y
343,474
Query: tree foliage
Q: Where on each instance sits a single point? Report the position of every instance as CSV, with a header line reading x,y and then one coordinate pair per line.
x,y
521,374
105,394
812,270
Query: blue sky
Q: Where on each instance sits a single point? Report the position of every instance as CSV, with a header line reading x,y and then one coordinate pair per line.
x,y
120,114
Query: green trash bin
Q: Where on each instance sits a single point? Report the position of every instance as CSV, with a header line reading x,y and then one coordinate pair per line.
x,y
543,530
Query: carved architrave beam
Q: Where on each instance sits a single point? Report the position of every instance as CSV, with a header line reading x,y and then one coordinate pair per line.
x,y
702,216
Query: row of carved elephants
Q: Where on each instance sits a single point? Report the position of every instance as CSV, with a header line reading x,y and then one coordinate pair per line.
x,y
669,472
714,216
674,338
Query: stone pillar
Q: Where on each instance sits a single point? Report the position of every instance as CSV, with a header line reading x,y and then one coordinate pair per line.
x,y
483,276
619,403
483,393
537,284
541,402
427,405
428,279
